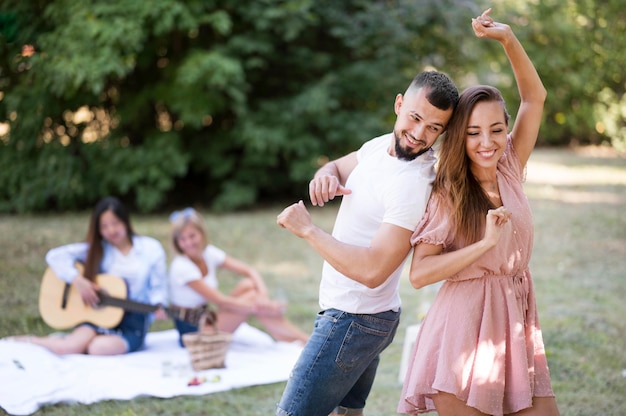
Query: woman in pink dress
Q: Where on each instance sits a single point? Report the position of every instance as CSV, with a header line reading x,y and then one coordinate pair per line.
x,y
480,350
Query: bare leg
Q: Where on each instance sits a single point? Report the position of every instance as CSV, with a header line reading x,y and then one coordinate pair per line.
x,y
244,287
542,406
107,345
282,330
278,326
82,340
75,342
448,405
229,321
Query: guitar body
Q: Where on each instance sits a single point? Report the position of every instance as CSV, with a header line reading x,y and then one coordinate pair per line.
x,y
61,306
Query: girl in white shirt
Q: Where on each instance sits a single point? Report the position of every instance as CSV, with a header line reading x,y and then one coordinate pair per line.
x,y
193,283
111,247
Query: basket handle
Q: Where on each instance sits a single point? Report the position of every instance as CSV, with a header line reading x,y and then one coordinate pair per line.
x,y
208,321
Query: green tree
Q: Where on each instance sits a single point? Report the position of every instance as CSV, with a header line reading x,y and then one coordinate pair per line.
x,y
227,103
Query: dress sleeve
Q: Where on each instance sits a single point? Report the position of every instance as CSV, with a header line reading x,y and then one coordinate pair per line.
x,y
509,162
436,225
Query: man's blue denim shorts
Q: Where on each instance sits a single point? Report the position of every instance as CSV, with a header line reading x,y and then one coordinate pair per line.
x,y
338,364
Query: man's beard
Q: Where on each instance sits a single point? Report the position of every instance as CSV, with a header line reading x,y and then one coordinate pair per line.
x,y
403,154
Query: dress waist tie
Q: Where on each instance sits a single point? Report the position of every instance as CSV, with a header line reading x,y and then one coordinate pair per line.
x,y
522,290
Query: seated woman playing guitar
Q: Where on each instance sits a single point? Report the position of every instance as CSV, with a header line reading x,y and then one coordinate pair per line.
x,y
193,283
111,247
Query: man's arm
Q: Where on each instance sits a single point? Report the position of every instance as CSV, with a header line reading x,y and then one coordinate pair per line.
x,y
370,266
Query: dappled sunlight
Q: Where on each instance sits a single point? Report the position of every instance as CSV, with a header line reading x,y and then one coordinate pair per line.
x,y
85,124
99,124
478,365
486,369
82,115
554,181
514,258
5,127
574,197
4,132
555,174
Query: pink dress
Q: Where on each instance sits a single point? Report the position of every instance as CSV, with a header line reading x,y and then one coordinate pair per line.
x,y
481,339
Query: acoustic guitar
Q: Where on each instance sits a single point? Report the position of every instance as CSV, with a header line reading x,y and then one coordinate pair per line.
x,y
62,307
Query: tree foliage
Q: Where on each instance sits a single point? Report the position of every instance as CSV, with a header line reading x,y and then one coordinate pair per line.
x,y
227,103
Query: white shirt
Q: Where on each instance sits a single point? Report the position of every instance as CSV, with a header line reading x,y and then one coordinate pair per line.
x,y
183,270
385,189
143,269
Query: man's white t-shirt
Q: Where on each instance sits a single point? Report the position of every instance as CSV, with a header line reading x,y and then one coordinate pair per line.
x,y
183,270
384,189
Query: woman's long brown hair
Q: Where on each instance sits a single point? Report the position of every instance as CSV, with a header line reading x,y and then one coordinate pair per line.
x,y
94,237
455,182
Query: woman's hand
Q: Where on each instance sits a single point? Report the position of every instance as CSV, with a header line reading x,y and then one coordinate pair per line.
x,y
87,289
485,27
160,314
495,222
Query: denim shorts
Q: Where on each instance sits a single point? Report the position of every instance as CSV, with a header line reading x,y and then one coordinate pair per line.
x,y
183,328
338,364
132,330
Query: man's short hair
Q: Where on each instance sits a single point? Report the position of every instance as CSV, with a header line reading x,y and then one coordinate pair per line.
x,y
440,90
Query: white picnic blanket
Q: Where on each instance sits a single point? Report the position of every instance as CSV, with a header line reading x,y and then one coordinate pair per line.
x,y
31,376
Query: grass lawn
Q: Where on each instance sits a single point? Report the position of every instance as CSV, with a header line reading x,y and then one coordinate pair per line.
x,y
579,267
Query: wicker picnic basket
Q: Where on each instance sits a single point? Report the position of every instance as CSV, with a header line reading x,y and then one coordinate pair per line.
x,y
207,348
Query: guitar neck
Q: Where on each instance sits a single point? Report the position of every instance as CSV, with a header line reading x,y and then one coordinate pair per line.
x,y
126,304
190,315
